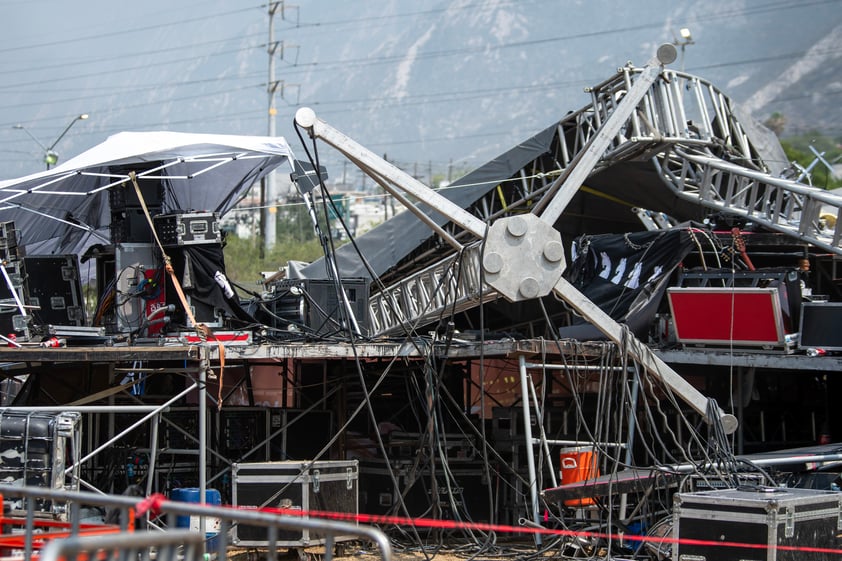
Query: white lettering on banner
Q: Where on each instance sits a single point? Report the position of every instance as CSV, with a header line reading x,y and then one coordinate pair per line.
x,y
634,278
618,276
621,271
606,266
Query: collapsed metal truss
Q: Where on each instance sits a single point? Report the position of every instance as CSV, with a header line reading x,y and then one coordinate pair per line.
x,y
522,255
684,125
778,204
451,285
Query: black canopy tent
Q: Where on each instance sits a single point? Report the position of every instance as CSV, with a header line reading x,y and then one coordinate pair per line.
x,y
66,209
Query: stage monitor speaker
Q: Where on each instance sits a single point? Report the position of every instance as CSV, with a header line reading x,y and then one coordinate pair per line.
x,y
130,225
125,195
298,435
242,433
181,428
128,219
821,326
315,302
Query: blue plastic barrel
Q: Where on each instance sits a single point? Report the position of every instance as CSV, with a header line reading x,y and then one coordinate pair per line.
x,y
191,495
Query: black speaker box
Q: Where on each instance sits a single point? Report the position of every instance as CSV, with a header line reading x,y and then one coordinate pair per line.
x,y
56,288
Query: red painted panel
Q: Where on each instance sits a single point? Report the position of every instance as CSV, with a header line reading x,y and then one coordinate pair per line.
x,y
748,316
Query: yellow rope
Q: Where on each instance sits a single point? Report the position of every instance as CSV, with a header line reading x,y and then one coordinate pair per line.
x,y
202,330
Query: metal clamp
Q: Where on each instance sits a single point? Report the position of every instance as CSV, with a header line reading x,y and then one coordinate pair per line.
x,y
789,524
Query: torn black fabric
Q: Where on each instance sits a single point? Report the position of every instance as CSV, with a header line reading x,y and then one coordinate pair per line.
x,y
195,266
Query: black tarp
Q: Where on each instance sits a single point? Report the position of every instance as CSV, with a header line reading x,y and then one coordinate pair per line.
x,y
603,205
625,186
198,267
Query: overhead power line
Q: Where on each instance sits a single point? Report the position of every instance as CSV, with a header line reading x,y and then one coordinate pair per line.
x,y
314,69
122,31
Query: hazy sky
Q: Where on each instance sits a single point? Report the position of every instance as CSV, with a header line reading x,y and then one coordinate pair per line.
x,y
121,63
202,66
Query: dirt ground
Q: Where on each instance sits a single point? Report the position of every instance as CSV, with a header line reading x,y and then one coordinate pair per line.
x,y
355,551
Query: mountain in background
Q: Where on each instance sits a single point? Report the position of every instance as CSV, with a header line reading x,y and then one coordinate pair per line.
x,y
472,84
434,85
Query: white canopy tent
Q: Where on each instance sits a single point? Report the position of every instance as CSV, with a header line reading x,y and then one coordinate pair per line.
x,y
66,209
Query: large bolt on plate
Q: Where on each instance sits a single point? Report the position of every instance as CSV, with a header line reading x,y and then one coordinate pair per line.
x,y
523,257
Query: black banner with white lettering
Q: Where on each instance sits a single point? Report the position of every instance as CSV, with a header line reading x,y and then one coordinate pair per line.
x,y
625,275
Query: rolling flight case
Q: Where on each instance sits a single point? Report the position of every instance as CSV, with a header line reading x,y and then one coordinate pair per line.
x,y
768,523
306,485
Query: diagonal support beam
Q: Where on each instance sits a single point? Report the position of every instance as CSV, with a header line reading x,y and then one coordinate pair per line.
x,y
640,352
394,180
599,143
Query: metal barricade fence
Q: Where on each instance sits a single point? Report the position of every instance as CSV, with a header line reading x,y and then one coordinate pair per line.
x,y
24,534
168,546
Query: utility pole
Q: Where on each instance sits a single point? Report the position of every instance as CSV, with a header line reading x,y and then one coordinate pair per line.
x,y
269,194
686,39
269,188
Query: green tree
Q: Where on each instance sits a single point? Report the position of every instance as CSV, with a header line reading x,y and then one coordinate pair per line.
x,y
797,150
294,222
244,266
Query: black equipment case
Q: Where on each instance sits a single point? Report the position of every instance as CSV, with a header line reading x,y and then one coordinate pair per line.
x,y
309,486
188,228
775,524
55,287
35,449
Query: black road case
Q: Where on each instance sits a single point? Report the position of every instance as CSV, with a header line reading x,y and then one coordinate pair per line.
x,y
35,450
188,228
460,493
55,287
776,524
309,486
14,293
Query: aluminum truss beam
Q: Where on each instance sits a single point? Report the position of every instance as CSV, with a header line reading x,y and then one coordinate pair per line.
x,y
451,285
778,204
